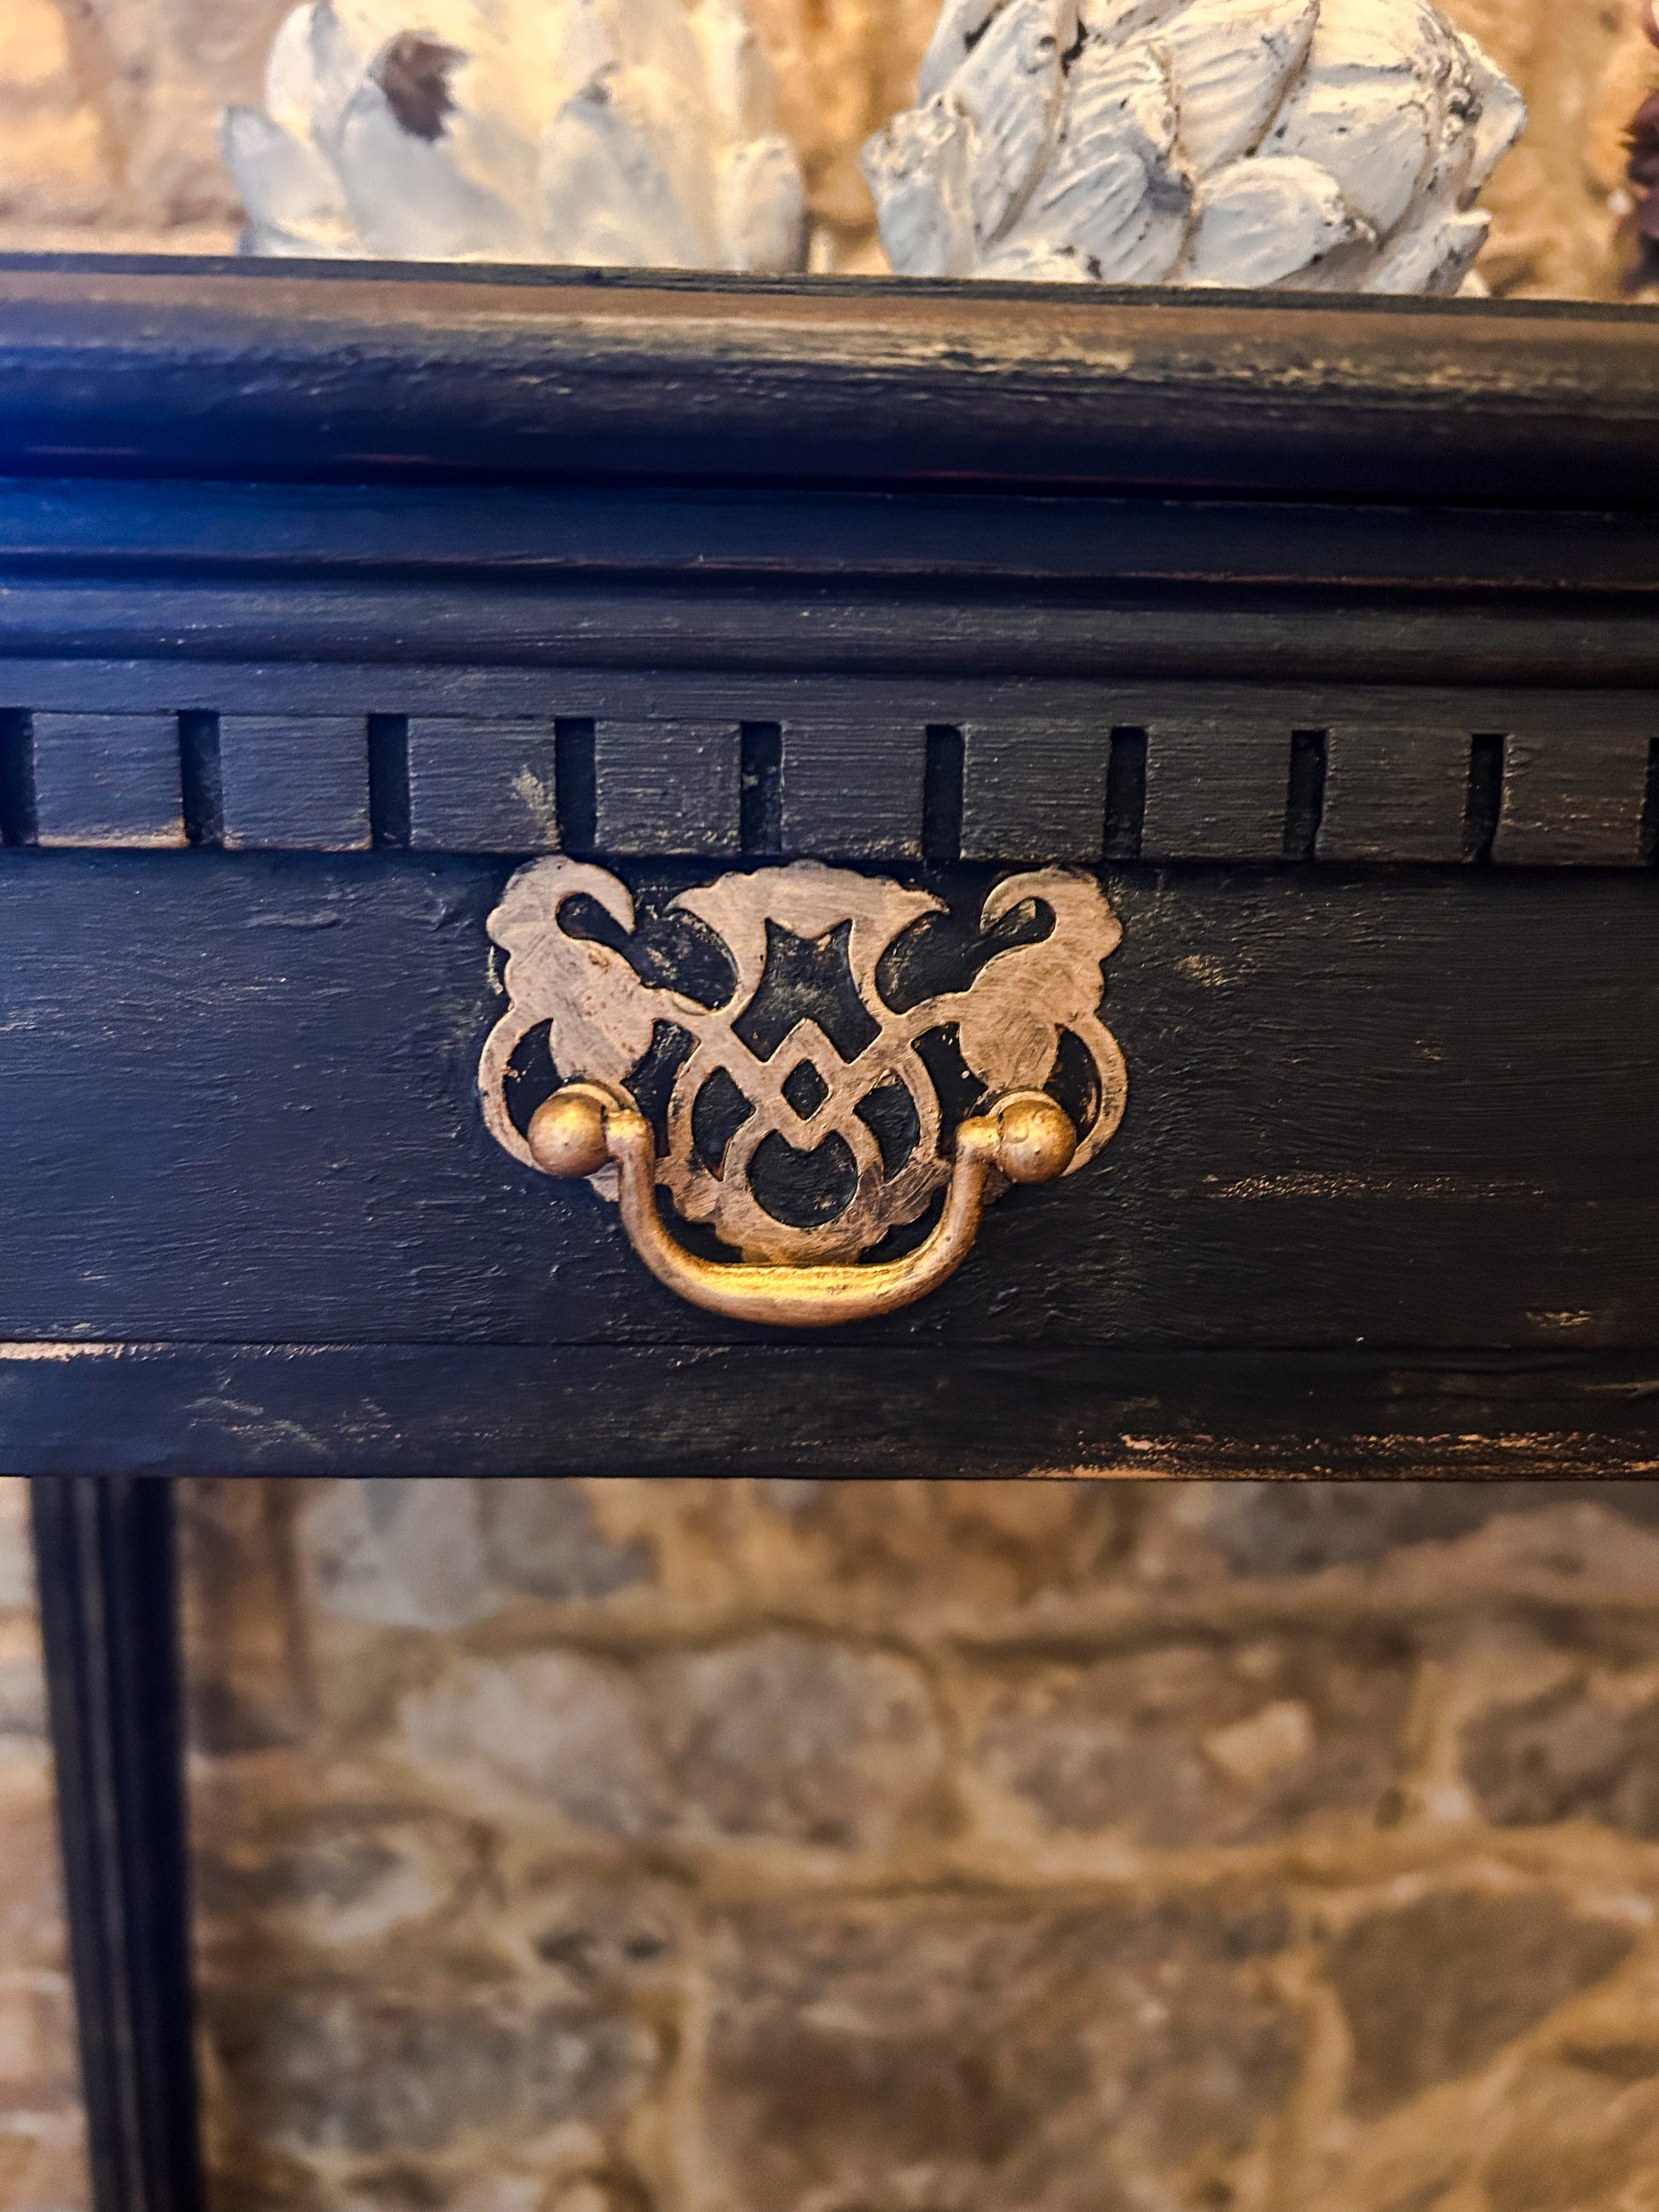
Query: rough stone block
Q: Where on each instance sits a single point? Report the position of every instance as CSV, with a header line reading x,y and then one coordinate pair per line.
x,y
439,1553
43,2165
1014,2060
37,2041
22,1687
779,1738
854,1551
251,1679
558,1732
1586,1748
333,2069
343,1877
17,1557
1188,1743
31,1891
1440,1984
1588,1538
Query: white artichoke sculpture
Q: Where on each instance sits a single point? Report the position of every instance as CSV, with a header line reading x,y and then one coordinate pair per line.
x,y
638,133
1331,145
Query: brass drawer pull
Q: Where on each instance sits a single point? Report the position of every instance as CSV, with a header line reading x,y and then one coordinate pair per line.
x,y
1025,1136
792,1053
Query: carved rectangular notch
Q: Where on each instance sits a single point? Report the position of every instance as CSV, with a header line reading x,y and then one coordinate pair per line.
x,y
295,782
107,779
1034,790
667,787
482,788
853,791
1573,798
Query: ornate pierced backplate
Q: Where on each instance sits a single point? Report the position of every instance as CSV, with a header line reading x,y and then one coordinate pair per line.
x,y
766,1065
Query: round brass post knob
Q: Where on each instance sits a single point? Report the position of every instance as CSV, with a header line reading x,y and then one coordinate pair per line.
x,y
1036,1139
567,1135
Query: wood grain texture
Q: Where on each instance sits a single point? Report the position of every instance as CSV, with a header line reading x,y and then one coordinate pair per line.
x,y
1216,790
666,787
106,779
222,368
828,533
1034,790
295,783
481,786
1355,1115
1395,794
853,791
800,585
678,628
771,1410
1573,796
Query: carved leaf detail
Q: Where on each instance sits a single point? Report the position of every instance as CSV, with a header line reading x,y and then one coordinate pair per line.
x,y
602,1015
1009,1028
601,1018
1011,1019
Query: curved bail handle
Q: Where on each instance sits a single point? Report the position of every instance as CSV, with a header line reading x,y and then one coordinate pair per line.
x,y
583,1125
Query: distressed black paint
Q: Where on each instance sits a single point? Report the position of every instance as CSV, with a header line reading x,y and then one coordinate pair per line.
x,y
1329,624
106,1572
938,586
1408,1108
809,1406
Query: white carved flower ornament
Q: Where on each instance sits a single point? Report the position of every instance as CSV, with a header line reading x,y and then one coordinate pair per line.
x,y
632,132
1333,145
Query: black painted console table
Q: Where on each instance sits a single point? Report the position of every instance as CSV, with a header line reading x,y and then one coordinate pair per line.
x,y
466,735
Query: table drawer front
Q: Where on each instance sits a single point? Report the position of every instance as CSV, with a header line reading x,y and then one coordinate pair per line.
x,y
1406,1113
1387,976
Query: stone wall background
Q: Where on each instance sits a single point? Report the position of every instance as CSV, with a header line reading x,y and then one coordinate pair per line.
x,y
612,1846
108,111
41,2164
